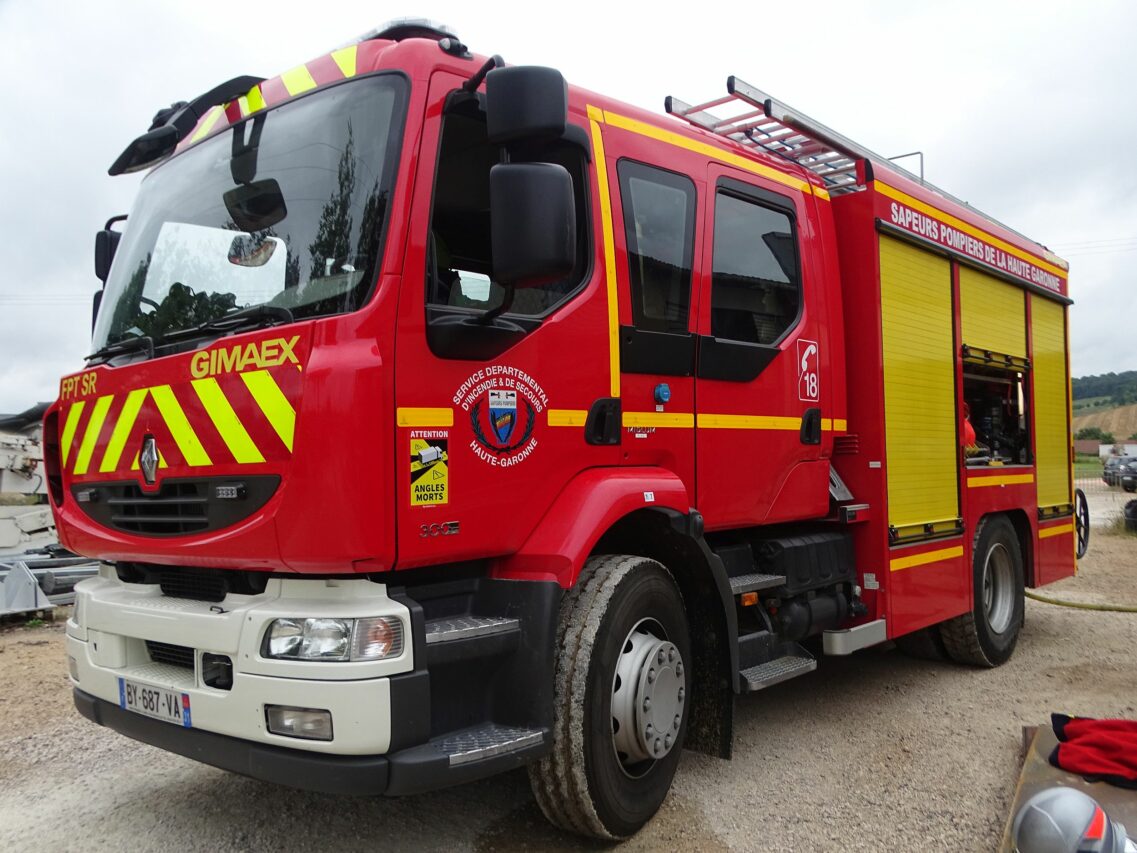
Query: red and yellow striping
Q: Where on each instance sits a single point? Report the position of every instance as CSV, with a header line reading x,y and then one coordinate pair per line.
x,y
230,418
338,65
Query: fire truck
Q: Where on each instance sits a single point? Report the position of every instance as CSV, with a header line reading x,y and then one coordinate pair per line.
x,y
442,418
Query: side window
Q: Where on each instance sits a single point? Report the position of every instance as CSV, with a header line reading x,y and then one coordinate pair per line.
x,y
459,262
755,285
659,220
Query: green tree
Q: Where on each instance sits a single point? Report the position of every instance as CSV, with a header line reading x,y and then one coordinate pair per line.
x,y
1092,433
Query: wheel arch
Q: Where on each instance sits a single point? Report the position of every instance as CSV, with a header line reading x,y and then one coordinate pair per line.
x,y
676,540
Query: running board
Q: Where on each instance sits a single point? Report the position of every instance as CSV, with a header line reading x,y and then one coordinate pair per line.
x,y
753,582
452,628
776,671
848,640
486,741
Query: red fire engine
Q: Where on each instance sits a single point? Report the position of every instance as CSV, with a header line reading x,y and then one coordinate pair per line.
x,y
443,419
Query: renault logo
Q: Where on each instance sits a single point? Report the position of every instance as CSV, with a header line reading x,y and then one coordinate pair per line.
x,y
148,459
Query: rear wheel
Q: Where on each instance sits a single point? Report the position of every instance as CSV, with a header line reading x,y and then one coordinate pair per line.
x,y
621,698
986,636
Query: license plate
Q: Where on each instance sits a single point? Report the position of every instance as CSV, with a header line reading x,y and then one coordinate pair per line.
x,y
157,702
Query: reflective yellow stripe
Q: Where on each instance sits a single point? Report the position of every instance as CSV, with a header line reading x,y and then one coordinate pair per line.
x,y
596,115
122,429
297,80
840,425
232,431
179,426
707,150
925,558
345,59
207,124
412,417
273,403
567,417
748,422
935,212
659,419
1056,530
94,427
1004,480
73,416
255,99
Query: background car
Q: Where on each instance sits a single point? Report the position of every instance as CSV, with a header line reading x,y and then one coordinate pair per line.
x,y
1111,473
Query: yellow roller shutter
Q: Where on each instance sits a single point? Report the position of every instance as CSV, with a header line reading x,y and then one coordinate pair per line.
x,y
919,385
1051,407
992,312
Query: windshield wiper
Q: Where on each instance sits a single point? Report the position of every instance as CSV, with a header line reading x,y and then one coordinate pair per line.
x,y
125,345
254,317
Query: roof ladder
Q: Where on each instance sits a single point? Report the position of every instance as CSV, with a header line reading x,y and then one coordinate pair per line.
x,y
766,123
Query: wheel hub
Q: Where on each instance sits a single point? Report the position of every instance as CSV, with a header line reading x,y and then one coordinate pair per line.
x,y
648,696
998,589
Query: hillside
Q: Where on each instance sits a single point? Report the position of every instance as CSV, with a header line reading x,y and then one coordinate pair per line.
x,y
1121,421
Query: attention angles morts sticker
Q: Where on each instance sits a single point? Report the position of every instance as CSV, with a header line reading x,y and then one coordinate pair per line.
x,y
503,404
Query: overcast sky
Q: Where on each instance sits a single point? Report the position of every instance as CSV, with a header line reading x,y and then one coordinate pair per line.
x,y
1025,110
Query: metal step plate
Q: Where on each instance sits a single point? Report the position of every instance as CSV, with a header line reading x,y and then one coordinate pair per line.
x,y
485,741
466,627
782,669
750,583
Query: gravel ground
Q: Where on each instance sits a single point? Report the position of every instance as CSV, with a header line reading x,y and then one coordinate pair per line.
x,y
876,751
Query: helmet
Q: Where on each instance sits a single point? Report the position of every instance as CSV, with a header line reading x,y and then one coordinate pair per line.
x,y
1064,820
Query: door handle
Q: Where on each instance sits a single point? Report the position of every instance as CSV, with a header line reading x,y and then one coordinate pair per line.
x,y
602,426
811,426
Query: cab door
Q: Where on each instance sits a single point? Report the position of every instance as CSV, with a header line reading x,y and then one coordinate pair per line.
x,y
492,392
657,231
763,367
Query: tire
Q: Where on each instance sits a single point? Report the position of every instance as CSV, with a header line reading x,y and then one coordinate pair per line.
x,y
609,621
986,636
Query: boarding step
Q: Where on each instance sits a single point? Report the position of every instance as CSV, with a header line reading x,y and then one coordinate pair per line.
x,y
449,628
773,672
754,582
486,741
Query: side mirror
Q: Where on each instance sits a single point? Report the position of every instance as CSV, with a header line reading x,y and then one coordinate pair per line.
x,y
532,223
525,102
146,150
106,244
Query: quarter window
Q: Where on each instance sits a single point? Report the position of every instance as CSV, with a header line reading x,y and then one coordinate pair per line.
x,y
755,286
659,220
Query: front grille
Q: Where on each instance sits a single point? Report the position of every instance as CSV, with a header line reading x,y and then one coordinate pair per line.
x,y
198,584
170,654
179,507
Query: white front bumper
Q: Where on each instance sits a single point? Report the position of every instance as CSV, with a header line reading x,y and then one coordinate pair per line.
x,y
108,642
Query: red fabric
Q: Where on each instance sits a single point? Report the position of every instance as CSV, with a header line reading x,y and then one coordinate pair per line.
x,y
968,433
1102,749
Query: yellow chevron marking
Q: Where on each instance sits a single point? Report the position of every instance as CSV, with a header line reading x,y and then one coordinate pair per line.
x,y
179,426
1056,530
273,403
567,417
412,417
94,427
232,431
297,80
659,419
73,416
206,124
122,429
255,99
345,59
925,558
596,116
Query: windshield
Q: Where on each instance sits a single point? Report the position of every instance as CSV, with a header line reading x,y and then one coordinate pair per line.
x,y
285,209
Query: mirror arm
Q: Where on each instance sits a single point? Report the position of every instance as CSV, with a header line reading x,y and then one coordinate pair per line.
x,y
494,313
474,82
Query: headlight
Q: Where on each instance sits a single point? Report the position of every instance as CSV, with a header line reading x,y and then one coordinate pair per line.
x,y
324,639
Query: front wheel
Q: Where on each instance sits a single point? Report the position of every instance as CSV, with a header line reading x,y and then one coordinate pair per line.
x,y
621,699
986,636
